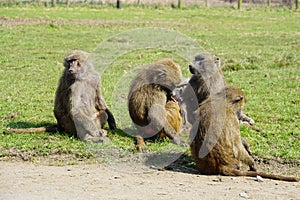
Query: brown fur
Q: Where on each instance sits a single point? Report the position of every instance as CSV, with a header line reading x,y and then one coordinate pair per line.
x,y
207,79
79,106
173,116
149,102
217,147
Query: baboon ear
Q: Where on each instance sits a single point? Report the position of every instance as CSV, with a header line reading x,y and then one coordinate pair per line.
x,y
237,99
192,69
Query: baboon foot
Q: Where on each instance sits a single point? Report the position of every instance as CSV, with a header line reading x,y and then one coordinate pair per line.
x,y
98,139
140,143
179,141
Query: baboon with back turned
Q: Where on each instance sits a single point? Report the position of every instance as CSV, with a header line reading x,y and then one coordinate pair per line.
x,y
217,147
151,105
79,106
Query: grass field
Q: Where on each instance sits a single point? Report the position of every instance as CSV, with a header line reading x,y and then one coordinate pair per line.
x,y
259,47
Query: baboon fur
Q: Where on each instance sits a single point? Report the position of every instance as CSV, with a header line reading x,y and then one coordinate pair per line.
x,y
150,102
207,79
79,106
217,147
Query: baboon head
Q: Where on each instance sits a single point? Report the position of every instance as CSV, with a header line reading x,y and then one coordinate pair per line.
x,y
75,63
236,98
205,63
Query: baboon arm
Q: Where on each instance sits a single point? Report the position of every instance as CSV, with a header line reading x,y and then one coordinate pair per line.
x,y
101,105
244,118
100,102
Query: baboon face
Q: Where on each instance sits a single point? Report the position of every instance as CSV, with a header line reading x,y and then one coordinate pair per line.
x,y
204,63
236,98
74,63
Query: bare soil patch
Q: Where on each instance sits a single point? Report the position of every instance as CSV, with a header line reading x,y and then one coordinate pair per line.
x,y
180,180
24,180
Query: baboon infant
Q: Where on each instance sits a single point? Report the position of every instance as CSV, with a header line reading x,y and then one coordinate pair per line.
x,y
217,147
79,106
151,104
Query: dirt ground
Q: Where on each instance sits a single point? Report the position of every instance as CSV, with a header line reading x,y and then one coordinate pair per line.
x,y
24,180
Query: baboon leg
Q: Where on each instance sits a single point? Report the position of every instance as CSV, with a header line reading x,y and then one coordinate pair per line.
x,y
246,145
102,117
87,130
158,119
247,159
140,143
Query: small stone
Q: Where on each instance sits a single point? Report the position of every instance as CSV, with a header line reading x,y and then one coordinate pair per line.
x,y
259,179
218,180
244,195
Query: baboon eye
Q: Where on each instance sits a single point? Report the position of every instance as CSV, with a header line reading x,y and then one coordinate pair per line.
x,y
237,99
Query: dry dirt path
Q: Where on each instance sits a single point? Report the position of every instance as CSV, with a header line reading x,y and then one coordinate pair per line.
x,y
22,180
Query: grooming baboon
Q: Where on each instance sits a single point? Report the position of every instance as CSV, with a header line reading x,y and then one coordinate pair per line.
x,y
207,79
79,106
150,103
217,147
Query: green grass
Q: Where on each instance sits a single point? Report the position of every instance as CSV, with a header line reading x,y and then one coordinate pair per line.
x,y
259,48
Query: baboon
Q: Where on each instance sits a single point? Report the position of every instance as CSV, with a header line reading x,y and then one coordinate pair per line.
x,y
207,79
217,147
151,104
79,106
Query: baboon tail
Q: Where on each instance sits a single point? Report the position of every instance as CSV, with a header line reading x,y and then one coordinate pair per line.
x,y
278,177
111,120
234,172
51,129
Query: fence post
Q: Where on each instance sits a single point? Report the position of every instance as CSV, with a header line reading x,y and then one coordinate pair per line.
x,y
118,4
296,4
269,3
240,4
53,3
179,3
206,3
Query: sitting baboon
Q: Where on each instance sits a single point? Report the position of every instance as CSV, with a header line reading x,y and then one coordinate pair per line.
x,y
150,103
217,147
79,106
207,79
